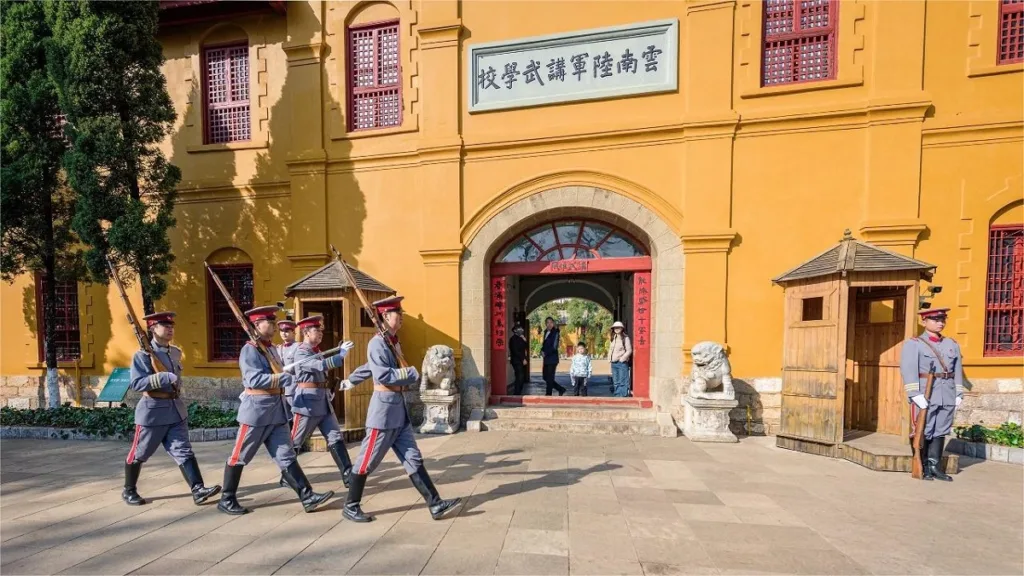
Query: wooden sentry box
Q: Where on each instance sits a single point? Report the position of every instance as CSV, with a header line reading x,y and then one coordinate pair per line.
x,y
847,312
325,291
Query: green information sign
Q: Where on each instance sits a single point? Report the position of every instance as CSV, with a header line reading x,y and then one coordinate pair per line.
x,y
117,386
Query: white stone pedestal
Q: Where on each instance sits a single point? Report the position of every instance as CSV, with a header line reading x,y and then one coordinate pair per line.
x,y
441,411
707,419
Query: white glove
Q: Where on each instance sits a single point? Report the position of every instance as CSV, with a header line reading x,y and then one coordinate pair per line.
x,y
958,401
172,378
346,385
920,401
345,347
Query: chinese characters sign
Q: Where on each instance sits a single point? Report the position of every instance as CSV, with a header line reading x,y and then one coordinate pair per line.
x,y
499,317
642,310
585,65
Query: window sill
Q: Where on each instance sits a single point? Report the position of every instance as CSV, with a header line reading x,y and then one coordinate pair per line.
x,y
371,132
797,88
222,365
979,71
227,146
994,361
62,365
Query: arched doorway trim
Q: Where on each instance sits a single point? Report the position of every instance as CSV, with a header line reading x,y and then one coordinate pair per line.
x,y
609,304
531,204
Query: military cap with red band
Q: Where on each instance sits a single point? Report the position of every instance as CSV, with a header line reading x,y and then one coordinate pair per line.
x,y
311,322
286,325
159,318
389,304
932,312
262,313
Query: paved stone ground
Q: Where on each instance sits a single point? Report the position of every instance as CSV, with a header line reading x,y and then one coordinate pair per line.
x,y
537,504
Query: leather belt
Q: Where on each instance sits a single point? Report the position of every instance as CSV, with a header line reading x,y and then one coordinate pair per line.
x,y
262,392
161,395
945,375
386,388
313,385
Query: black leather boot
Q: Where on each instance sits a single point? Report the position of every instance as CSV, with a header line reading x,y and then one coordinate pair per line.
x,y
924,460
935,447
341,459
228,503
297,480
352,510
131,478
421,480
200,493
283,482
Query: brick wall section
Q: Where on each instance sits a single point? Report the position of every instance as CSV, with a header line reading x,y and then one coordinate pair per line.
x,y
30,391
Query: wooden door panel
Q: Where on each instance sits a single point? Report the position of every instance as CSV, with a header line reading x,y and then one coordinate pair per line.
x,y
875,400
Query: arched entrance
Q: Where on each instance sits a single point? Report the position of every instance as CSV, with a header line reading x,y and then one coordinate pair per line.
x,y
498,224
565,257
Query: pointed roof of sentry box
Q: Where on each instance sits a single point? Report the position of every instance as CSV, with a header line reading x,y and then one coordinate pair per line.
x,y
329,277
852,255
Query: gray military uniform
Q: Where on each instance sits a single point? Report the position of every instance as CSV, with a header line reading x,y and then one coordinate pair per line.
x,y
917,360
311,407
158,420
287,354
387,419
262,418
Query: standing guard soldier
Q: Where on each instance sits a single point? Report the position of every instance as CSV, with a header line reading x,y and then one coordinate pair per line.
x,y
263,419
387,420
933,354
288,345
311,400
161,416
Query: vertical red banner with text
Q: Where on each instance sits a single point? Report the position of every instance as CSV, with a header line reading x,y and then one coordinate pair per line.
x,y
499,335
642,334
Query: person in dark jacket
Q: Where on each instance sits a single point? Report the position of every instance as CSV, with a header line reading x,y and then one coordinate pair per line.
x,y
519,350
549,350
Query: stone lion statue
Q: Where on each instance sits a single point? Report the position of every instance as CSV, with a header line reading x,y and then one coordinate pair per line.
x,y
711,376
438,369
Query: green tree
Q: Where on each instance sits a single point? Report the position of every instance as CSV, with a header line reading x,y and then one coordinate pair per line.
x,y
36,206
105,60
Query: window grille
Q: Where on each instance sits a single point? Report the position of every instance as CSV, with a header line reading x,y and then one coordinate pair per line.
x,y
1004,293
799,41
1011,31
67,337
375,78
226,94
226,337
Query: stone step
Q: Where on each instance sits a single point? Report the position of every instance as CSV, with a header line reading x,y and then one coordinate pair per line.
x,y
569,412
641,428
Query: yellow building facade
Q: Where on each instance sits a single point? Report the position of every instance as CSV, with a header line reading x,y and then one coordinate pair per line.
x,y
904,127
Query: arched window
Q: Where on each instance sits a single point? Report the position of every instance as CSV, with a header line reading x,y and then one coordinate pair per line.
x,y
570,240
234,268
1004,294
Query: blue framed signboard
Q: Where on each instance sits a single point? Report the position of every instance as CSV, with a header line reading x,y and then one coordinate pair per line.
x,y
640,58
117,386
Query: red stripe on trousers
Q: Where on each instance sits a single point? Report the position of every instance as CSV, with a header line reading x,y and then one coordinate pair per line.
x,y
295,425
233,461
135,444
369,450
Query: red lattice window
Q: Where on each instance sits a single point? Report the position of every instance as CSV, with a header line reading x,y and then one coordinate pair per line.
x,y
1004,293
374,77
799,41
226,336
1011,31
226,94
68,338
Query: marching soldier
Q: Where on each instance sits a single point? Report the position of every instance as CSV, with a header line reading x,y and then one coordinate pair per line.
x,y
287,346
387,419
933,354
263,420
311,399
160,415
286,349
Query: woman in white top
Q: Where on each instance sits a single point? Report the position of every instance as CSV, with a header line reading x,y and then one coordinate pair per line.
x,y
619,353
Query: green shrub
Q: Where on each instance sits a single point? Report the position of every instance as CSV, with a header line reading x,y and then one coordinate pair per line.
x,y
107,422
1008,434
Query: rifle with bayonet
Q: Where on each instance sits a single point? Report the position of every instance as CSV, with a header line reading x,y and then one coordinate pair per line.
x,y
140,334
370,311
247,326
